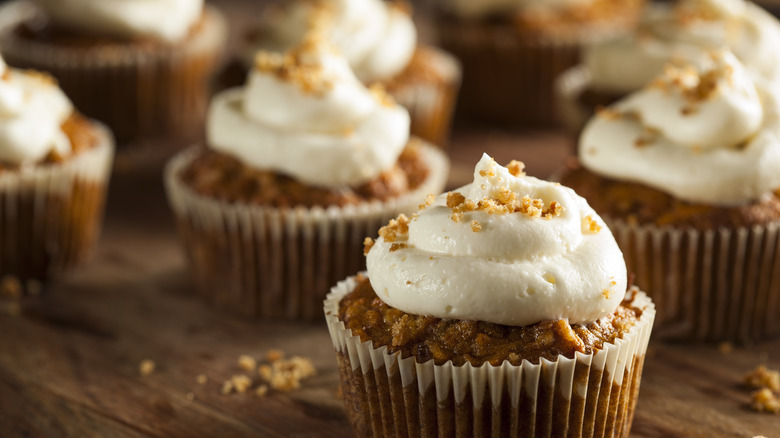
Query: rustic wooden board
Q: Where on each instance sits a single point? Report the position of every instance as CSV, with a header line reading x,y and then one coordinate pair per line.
x,y
69,361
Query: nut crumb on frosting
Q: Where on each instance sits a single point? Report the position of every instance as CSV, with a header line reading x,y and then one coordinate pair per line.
x,y
396,229
476,226
396,246
296,67
516,168
368,243
590,224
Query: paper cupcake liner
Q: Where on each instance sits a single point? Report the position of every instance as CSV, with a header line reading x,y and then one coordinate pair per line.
x,y
139,91
714,285
508,78
431,102
50,216
589,395
278,262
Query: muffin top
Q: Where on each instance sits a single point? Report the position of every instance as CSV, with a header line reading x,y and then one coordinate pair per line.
x,y
33,110
506,249
164,20
681,32
704,133
378,38
304,114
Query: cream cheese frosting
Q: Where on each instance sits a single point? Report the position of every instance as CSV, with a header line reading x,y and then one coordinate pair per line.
x,y
306,115
377,38
32,111
704,133
507,248
166,20
682,33
483,8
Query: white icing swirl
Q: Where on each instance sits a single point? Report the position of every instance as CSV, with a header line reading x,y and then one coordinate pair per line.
x,y
377,38
515,270
166,20
683,33
32,111
306,115
483,8
708,135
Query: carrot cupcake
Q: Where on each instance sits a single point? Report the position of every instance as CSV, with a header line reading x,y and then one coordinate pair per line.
x,y
54,168
299,165
499,309
379,39
513,50
684,172
141,67
677,32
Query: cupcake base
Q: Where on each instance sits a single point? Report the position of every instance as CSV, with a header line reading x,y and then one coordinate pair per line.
x,y
279,262
588,395
140,91
50,215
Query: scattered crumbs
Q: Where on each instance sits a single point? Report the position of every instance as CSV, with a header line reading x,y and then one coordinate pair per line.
x,y
505,201
190,396
227,387
247,363
368,243
396,246
408,282
264,371
430,258
476,226
514,357
297,67
725,347
457,217
240,383
606,293
454,199
261,390
590,225
10,287
397,228
764,400
762,377
201,379
286,374
516,168
274,354
608,113
146,367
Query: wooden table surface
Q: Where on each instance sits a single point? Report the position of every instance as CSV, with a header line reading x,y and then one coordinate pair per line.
x,y
69,357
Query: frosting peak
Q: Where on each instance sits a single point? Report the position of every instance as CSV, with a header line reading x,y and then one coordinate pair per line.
x,y
705,133
305,114
507,248
167,20
32,111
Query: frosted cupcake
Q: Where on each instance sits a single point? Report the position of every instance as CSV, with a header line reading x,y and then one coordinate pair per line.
x,y
141,67
300,164
379,39
684,172
54,169
512,50
499,309
679,32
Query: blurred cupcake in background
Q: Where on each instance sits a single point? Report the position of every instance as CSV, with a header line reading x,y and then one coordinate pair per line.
x,y
54,170
299,166
512,50
379,39
143,68
685,172
677,32
502,308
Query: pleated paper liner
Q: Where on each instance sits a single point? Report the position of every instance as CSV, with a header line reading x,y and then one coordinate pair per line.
x,y
713,285
278,262
140,91
50,216
508,77
431,99
590,395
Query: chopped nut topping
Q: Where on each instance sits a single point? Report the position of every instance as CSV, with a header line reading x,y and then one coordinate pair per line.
x,y
455,199
476,226
146,367
368,243
429,200
516,168
396,246
606,293
395,229
762,377
590,225
608,113
457,217
247,363
297,68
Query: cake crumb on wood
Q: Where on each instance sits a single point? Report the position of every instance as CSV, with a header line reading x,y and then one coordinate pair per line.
x,y
246,362
762,377
146,367
201,379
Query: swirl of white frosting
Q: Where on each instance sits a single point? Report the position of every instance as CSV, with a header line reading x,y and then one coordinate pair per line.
x,y
483,8
683,33
32,111
707,135
166,20
306,115
500,261
377,38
